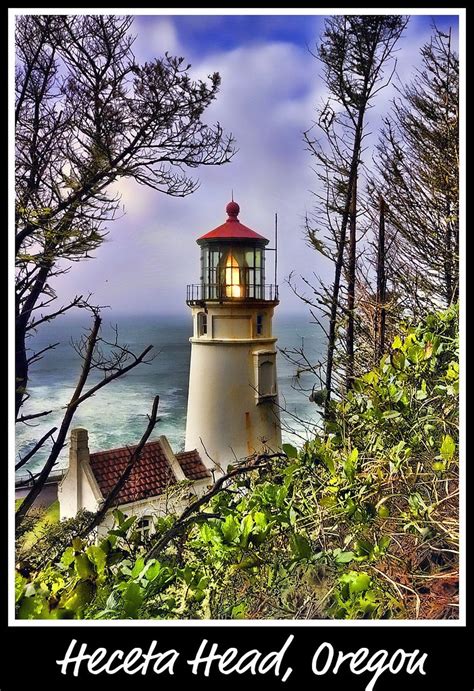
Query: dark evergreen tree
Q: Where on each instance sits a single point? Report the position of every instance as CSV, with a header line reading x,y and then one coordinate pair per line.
x,y
355,52
417,166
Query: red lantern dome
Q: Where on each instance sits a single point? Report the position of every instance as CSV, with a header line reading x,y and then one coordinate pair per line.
x,y
232,229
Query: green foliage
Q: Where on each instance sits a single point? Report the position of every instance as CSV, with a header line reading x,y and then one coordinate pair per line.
x,y
352,525
42,538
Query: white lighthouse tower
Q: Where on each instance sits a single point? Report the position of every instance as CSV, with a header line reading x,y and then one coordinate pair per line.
x,y
233,398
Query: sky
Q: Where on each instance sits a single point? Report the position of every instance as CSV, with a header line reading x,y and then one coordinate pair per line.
x,y
271,87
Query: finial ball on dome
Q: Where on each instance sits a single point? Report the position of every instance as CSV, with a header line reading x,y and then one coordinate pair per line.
x,y
232,209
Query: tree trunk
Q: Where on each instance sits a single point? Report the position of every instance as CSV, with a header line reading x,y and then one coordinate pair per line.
x,y
381,286
340,261
21,325
451,293
351,270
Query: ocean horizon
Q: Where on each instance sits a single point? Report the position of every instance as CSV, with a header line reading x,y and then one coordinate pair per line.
x,y
117,415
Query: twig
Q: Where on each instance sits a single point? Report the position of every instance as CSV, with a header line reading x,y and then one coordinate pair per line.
x,y
35,448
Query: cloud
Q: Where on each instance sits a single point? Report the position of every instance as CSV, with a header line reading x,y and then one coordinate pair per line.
x,y
154,37
151,254
267,99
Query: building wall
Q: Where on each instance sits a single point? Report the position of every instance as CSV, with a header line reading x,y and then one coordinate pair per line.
x,y
67,495
225,412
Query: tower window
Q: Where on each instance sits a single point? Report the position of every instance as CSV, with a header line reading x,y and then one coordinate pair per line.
x,y
265,375
259,324
202,324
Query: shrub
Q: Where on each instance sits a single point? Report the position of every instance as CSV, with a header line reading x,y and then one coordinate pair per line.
x,y
361,522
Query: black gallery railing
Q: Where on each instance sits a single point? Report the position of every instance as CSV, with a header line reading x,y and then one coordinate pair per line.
x,y
221,291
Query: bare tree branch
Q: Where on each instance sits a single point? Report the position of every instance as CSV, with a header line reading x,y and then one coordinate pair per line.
x,y
35,448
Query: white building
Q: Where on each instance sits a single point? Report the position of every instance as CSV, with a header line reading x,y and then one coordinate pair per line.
x,y
151,489
233,398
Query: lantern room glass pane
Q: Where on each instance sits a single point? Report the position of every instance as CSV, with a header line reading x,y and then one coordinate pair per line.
x,y
232,272
250,258
232,277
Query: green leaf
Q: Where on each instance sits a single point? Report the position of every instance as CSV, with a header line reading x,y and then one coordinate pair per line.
x,y
363,547
138,567
384,543
371,377
239,611
354,456
153,570
448,447
230,529
350,464
207,533
119,516
359,583
344,557
246,526
281,495
98,557
32,607
68,556
80,596
391,414
122,530
133,598
439,466
290,450
84,567
300,546
114,600
415,353
260,519
19,585
77,544
383,511
398,359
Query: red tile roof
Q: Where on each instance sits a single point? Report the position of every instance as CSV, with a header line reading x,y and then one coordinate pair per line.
x,y
192,465
151,475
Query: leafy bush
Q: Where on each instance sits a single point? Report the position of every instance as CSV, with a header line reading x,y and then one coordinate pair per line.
x,y
359,523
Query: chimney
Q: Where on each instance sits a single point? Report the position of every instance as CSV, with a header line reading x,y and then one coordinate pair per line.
x,y
78,454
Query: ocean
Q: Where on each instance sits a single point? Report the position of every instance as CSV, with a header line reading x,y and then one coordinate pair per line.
x,y
117,414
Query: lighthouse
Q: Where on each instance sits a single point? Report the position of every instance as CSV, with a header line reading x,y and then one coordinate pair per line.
x,y
233,407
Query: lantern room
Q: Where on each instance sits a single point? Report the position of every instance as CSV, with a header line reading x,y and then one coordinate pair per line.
x,y
232,264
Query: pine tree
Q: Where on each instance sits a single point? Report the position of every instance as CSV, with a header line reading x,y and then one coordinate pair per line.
x,y
355,50
417,163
